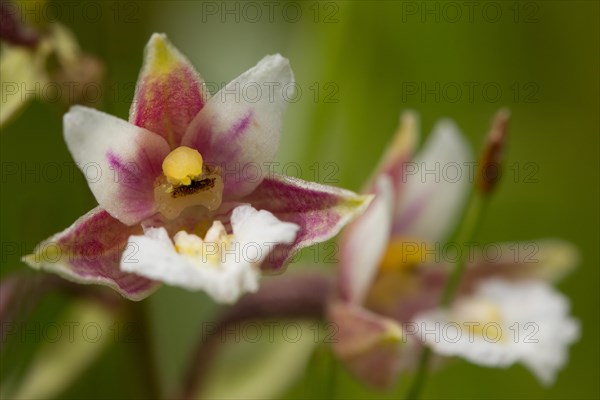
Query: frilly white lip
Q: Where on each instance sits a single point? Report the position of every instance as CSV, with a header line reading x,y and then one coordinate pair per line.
x,y
528,322
224,266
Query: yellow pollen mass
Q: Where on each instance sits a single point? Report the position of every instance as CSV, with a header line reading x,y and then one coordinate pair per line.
x,y
182,165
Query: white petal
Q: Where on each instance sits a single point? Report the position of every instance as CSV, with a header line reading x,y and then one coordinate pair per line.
x,y
438,329
364,243
236,271
436,185
543,345
216,232
120,161
240,126
536,328
153,255
259,230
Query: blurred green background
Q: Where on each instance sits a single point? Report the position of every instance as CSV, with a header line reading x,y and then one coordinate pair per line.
x,y
358,64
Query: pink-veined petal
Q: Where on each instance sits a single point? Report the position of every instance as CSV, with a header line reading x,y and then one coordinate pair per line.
x,y
169,92
239,127
364,243
119,160
320,211
436,184
89,252
373,347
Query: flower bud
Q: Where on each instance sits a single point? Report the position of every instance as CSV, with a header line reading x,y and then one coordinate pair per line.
x,y
490,162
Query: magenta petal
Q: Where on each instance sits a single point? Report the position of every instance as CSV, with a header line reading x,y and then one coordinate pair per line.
x,y
135,195
168,93
320,211
89,252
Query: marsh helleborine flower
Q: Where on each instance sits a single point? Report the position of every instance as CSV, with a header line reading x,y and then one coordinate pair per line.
x,y
389,285
174,203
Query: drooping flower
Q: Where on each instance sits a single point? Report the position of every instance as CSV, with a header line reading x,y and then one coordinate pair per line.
x,y
175,203
406,210
391,267
502,323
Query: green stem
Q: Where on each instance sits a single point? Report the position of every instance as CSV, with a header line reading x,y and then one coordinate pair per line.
x,y
321,374
477,206
145,350
331,381
415,389
466,231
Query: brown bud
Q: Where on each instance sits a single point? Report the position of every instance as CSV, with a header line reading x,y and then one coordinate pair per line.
x,y
490,163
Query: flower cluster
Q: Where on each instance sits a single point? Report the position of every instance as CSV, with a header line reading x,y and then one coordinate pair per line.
x,y
169,211
387,307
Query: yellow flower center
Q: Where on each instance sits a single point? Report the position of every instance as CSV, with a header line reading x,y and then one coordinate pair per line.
x,y
403,254
395,277
182,165
480,310
207,251
479,316
187,182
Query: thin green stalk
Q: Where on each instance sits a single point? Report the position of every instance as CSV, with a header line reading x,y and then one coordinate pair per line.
x,y
145,350
477,205
415,389
468,227
322,372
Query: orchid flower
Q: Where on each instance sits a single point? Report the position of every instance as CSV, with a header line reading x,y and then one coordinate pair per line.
x,y
175,205
389,272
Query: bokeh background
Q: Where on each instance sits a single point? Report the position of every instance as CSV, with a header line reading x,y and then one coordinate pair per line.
x,y
358,64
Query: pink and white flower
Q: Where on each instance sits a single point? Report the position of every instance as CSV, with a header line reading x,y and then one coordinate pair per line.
x,y
172,195
389,274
